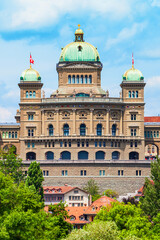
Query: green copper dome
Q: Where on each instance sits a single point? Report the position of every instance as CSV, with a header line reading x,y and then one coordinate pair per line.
x,y
133,75
79,50
30,75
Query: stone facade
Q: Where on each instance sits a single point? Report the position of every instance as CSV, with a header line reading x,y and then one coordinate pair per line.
x,y
81,123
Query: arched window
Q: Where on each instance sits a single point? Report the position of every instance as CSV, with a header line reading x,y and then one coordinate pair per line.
x,y
7,134
129,94
136,94
69,79
66,130
100,155
82,129
26,94
77,79
30,94
86,80
3,135
10,135
134,155
65,155
115,155
114,130
50,130
73,79
99,129
15,134
90,79
81,79
49,155
34,94
133,94
83,155
30,156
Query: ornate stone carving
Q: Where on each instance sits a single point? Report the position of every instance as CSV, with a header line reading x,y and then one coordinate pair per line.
x,y
115,115
99,114
50,115
65,114
83,114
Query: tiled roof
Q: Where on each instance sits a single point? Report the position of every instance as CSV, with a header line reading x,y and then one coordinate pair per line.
x,y
9,124
140,191
152,119
57,190
76,212
96,206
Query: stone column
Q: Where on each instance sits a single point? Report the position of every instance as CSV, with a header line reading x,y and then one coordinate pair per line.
x,y
42,124
121,123
91,121
107,123
74,121
57,133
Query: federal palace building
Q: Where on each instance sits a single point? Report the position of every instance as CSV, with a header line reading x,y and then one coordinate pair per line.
x,y
80,131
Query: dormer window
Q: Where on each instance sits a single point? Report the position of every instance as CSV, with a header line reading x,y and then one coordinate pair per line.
x,y
79,48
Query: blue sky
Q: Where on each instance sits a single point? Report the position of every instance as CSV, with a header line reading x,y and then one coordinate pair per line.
x,y
117,28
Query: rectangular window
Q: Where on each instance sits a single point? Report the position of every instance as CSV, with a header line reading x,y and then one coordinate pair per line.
x,y
81,204
154,134
115,144
157,134
100,144
7,134
120,172
119,144
52,144
45,144
151,135
81,198
138,172
30,117
69,144
131,132
133,117
65,144
66,173
47,173
135,144
29,132
145,135
111,144
44,173
82,144
69,197
33,145
32,132
28,145
62,172
75,191
148,134
95,144
104,144
131,144
101,172
83,172
78,144
61,144
87,144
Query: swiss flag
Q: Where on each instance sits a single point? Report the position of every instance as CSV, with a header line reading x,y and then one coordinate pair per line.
x,y
31,60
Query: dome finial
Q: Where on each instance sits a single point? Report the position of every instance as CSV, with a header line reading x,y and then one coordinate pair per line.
x,y
79,34
132,61
79,26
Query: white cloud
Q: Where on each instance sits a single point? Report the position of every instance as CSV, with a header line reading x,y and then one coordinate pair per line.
x,y
151,53
153,81
30,14
126,33
155,3
6,115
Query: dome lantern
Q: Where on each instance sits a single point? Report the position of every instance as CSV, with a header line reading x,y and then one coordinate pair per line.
x,y
79,34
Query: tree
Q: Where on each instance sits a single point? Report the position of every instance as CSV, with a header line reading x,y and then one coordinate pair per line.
x,y
151,200
22,216
11,164
58,209
131,200
110,193
96,230
35,178
92,188
129,219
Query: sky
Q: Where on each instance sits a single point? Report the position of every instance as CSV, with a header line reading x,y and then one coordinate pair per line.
x,y
117,28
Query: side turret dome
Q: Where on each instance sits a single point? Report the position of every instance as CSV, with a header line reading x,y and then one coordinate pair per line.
x,y
79,50
30,75
133,74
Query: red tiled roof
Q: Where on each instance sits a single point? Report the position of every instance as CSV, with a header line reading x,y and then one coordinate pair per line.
x,y
140,191
152,119
76,212
57,190
96,206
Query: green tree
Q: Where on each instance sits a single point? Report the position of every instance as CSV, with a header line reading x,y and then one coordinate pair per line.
x,y
92,188
129,219
96,231
58,209
22,216
110,193
35,178
11,164
151,201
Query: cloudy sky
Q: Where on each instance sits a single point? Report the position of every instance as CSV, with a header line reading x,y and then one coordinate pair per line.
x,y
117,28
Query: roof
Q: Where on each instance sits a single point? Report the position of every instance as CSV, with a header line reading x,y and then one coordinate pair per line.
x,y
133,75
30,75
60,189
152,119
96,206
140,191
9,124
77,212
